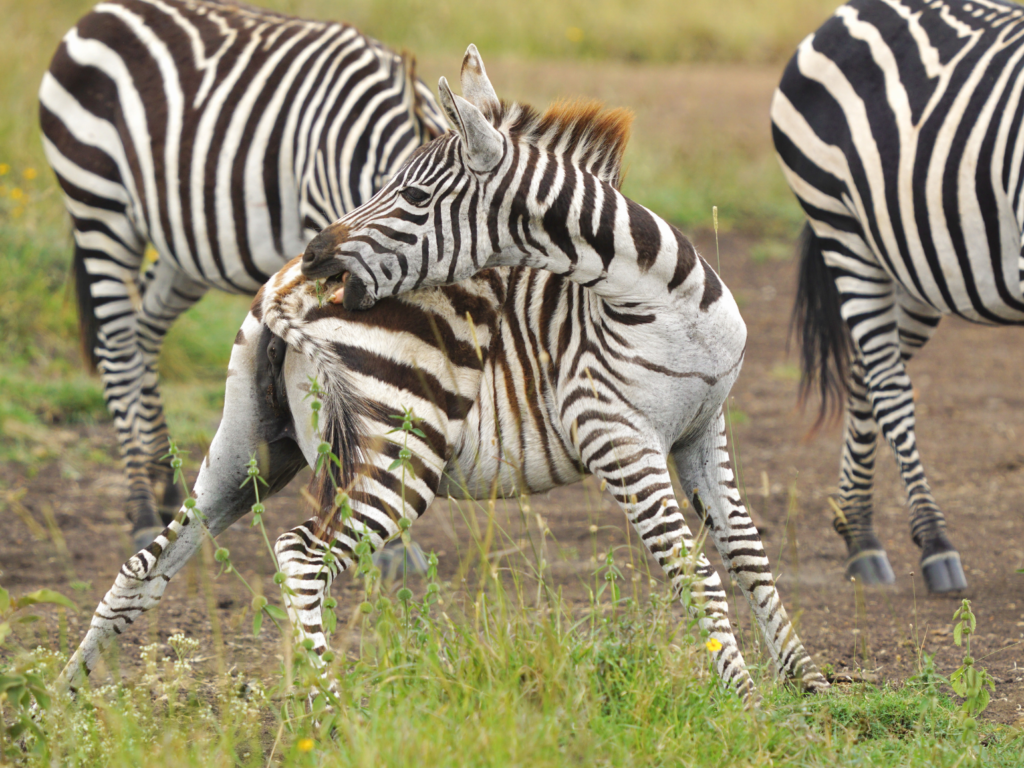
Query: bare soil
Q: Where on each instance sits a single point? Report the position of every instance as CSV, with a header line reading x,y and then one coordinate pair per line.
x,y
970,420
66,523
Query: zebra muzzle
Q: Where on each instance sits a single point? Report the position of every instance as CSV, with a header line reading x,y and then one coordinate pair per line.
x,y
319,259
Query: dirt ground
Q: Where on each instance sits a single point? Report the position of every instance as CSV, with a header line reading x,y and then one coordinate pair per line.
x,y
65,525
970,416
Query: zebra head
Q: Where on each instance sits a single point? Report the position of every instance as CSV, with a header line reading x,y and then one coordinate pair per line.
x,y
429,224
508,186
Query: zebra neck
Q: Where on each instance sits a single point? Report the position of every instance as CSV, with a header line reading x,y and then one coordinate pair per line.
x,y
594,235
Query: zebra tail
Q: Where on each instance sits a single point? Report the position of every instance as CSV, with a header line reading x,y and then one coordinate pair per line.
x,y
825,343
88,324
343,431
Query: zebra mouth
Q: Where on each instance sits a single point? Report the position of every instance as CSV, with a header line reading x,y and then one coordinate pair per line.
x,y
339,294
352,293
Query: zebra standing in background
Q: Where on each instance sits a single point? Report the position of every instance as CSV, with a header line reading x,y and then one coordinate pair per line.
x,y
226,136
898,125
614,352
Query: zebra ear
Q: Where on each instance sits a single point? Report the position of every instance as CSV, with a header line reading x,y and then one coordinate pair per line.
x,y
476,86
484,144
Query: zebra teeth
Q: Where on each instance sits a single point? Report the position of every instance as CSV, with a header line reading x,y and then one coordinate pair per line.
x,y
339,295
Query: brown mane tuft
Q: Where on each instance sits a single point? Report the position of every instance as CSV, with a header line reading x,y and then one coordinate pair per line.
x,y
583,129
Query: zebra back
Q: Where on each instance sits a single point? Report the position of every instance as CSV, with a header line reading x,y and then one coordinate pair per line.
x,y
224,135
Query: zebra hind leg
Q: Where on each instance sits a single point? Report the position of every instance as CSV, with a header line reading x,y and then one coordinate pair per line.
x,y
308,578
867,560
167,293
892,405
706,470
251,426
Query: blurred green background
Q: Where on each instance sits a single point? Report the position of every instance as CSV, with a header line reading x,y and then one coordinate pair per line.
x,y
698,74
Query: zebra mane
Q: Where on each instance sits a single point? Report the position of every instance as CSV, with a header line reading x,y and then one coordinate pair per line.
x,y
589,135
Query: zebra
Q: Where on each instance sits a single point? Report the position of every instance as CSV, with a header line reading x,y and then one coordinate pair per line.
x,y
524,376
897,126
226,136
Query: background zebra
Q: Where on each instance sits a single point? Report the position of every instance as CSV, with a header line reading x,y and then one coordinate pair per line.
x,y
616,352
226,136
898,127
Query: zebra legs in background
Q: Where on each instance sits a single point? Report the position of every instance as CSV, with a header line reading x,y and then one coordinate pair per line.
x,y
866,556
886,329
167,293
867,559
705,470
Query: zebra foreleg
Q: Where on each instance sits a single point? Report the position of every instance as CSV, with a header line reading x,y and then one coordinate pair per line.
x,y
638,478
706,472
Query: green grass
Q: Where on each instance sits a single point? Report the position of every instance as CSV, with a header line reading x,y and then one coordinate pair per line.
x,y
506,681
501,684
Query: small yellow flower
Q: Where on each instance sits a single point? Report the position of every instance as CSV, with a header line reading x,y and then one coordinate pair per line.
x,y
574,34
17,193
4,169
29,173
713,645
305,745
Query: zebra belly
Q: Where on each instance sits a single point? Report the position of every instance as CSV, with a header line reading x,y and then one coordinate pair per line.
x,y
508,451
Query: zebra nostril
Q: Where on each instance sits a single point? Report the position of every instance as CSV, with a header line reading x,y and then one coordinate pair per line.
x,y
314,251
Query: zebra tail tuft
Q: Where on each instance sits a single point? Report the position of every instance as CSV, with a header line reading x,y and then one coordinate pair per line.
x,y
88,324
825,343
343,431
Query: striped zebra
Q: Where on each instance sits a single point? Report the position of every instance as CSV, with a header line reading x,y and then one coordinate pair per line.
x,y
226,136
613,350
897,124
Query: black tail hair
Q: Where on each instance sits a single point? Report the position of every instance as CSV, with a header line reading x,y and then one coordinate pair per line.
x,y
825,343
342,430
88,324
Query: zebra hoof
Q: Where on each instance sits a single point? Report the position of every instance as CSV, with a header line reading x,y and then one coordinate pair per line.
x,y
396,557
943,572
870,566
143,537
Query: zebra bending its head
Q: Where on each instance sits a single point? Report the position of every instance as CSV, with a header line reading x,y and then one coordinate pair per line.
x,y
612,359
442,217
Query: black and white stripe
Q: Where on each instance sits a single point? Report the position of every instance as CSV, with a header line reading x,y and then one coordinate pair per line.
x,y
898,126
224,135
608,362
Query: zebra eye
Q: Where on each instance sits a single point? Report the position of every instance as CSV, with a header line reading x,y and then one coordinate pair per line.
x,y
414,195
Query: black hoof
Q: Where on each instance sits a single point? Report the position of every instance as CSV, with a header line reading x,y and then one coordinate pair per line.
x,y
870,566
943,572
143,537
392,560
